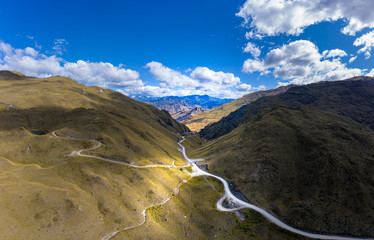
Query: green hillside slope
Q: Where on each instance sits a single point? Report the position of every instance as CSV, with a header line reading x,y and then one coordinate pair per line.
x,y
353,98
313,169
48,194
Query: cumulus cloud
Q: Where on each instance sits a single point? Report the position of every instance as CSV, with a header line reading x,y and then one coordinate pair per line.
x,y
300,62
334,53
169,77
205,75
272,17
33,63
371,73
260,88
251,65
291,17
367,41
352,59
252,49
244,87
201,80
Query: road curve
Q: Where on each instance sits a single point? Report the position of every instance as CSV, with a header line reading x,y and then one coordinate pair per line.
x,y
144,214
242,204
98,144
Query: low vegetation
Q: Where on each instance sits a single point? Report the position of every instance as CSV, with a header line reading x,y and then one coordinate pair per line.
x,y
305,155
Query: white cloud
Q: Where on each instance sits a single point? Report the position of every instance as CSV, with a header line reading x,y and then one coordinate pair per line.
x,y
352,59
102,74
298,53
244,87
300,62
253,49
273,17
260,88
201,81
206,76
33,63
367,41
252,34
371,73
60,46
169,77
251,66
334,53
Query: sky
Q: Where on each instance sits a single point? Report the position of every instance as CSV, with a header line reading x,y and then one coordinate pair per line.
x,y
220,48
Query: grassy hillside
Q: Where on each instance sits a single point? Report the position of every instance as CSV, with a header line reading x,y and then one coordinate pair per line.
x,y
46,193
199,121
353,98
311,168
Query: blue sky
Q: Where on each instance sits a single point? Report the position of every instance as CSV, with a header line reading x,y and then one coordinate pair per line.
x,y
157,48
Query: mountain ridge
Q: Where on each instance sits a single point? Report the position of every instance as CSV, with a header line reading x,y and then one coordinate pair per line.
x,y
199,121
309,95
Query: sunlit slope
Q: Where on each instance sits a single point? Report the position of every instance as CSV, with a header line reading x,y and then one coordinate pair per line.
x,y
312,168
192,215
48,194
130,130
353,98
199,121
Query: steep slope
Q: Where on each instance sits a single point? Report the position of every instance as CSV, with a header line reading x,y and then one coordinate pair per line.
x,y
180,116
353,98
48,190
311,168
199,121
182,107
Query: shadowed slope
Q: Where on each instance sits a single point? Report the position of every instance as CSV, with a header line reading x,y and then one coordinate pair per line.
x,y
353,98
311,168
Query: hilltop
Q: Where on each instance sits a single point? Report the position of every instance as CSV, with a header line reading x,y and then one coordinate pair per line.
x,y
351,98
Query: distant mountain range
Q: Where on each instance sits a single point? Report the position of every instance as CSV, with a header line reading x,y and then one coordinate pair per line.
x,y
181,108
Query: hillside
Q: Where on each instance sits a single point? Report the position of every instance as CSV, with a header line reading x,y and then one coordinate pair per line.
x,y
182,115
46,193
181,108
81,162
306,155
352,98
201,120
311,168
